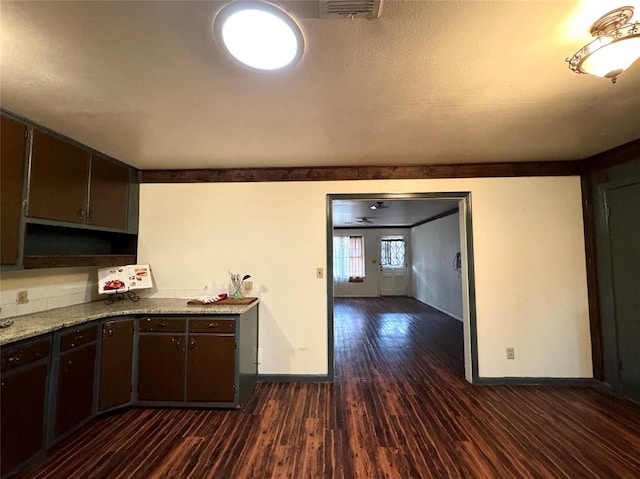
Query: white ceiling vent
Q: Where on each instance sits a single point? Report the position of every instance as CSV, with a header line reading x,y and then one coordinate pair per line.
x,y
350,8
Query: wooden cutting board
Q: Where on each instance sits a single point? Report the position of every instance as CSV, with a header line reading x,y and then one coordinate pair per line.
x,y
225,302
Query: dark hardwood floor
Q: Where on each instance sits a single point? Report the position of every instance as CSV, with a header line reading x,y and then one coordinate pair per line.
x,y
399,408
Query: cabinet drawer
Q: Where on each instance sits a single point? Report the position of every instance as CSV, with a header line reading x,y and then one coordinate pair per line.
x,y
162,325
13,357
78,337
213,325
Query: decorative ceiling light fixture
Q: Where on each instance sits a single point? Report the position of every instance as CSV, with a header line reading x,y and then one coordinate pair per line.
x,y
259,34
616,47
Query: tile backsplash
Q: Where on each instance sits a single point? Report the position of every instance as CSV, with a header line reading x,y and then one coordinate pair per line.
x,y
47,289
55,288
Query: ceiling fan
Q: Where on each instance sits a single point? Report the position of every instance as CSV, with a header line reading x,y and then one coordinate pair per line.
x,y
378,206
364,219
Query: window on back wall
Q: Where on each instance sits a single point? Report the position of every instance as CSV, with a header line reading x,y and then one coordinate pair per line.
x,y
392,252
348,259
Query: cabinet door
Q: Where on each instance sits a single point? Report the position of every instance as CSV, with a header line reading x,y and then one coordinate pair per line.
x,y
108,193
22,400
211,368
75,388
57,180
116,363
161,367
12,152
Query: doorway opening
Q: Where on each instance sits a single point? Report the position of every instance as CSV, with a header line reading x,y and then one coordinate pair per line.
x,y
393,244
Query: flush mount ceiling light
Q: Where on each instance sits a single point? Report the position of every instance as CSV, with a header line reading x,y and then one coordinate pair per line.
x,y
378,206
616,47
259,34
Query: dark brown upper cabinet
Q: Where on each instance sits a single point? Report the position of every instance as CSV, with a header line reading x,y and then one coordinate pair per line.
x,y
13,138
68,184
58,178
108,193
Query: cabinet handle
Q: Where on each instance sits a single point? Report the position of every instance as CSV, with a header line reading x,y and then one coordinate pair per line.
x,y
80,212
163,324
213,325
192,344
14,359
107,332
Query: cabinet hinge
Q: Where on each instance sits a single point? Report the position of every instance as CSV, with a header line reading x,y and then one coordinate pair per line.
x,y
25,207
236,344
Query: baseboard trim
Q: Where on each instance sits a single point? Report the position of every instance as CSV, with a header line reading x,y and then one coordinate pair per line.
x,y
294,378
438,309
531,381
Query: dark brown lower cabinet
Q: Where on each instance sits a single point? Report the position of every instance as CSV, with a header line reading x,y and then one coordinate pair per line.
x,y
161,360
202,361
211,368
76,373
116,364
48,383
25,370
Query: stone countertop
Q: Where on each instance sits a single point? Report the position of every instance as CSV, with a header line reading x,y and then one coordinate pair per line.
x,y
31,325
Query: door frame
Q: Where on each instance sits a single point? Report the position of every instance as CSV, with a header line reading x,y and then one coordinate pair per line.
x,y
407,281
608,323
468,278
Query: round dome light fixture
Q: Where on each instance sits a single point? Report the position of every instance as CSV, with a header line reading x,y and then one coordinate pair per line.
x,y
259,34
616,47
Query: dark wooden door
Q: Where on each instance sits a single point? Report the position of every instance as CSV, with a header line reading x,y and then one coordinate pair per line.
x,y
108,193
22,401
624,235
116,364
211,368
75,388
161,363
58,179
12,152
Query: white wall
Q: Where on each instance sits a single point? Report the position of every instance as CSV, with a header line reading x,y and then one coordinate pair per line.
x,y
47,289
435,282
370,286
530,275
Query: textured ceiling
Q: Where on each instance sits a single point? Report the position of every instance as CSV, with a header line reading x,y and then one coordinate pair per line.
x,y
401,213
429,82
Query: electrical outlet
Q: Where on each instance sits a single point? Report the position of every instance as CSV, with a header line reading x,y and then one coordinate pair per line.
x,y
511,353
22,297
319,273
